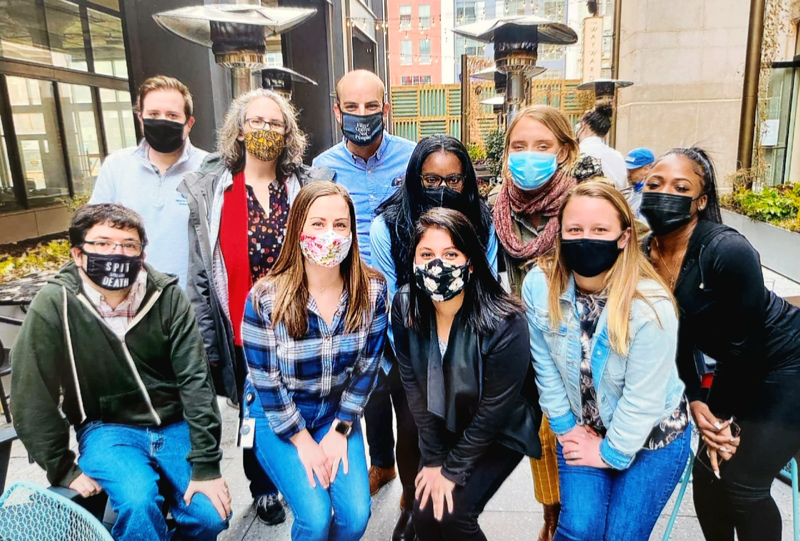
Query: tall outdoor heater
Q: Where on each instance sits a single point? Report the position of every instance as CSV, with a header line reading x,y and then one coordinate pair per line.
x,y
236,34
516,41
282,80
604,89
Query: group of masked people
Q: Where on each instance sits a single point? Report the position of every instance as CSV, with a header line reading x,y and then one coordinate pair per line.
x,y
369,284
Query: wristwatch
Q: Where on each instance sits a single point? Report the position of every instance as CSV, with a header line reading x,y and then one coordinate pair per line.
x,y
343,428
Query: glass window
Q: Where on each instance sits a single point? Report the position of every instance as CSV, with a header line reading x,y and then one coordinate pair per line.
x,y
80,129
117,119
33,109
424,16
65,32
108,46
7,199
23,32
405,17
113,4
424,51
406,52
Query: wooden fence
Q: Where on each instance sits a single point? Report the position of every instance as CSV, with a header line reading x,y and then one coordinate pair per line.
x,y
423,110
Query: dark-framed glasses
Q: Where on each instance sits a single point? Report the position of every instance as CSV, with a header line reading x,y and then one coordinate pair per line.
x,y
257,123
131,247
430,180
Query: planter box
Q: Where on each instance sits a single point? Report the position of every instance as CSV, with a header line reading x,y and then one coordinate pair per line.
x,y
779,248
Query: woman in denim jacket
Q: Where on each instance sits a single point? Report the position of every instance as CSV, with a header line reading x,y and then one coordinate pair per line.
x,y
603,337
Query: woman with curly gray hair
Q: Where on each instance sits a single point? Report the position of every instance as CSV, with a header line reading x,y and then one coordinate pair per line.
x,y
239,202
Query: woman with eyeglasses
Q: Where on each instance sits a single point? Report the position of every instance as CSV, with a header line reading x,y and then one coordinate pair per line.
x,y
749,422
239,203
439,174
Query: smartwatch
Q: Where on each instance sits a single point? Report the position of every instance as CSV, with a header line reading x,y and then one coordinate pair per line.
x,y
343,428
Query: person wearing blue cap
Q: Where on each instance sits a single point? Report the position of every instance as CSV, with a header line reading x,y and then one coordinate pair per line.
x,y
638,162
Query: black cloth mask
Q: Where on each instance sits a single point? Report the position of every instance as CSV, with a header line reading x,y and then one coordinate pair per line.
x,y
441,280
590,257
163,135
362,130
112,271
666,212
443,197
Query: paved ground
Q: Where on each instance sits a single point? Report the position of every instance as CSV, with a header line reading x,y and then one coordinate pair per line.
x,y
511,515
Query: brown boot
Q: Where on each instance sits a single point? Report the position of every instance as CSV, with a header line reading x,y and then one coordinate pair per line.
x,y
379,477
551,513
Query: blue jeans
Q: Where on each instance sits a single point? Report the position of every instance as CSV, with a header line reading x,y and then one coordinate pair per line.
x,y
598,504
347,498
129,463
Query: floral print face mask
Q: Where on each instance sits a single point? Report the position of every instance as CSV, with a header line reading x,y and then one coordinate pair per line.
x,y
326,250
441,280
266,145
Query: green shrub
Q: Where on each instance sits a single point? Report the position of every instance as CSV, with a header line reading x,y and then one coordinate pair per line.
x,y
50,256
495,142
778,205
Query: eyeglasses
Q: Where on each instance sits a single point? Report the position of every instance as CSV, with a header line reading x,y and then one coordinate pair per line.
x,y
105,247
259,124
436,181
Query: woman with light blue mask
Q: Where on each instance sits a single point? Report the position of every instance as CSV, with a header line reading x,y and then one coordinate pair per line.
x,y
540,152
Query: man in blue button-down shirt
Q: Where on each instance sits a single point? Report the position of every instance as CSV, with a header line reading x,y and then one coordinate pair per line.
x,y
369,161
371,164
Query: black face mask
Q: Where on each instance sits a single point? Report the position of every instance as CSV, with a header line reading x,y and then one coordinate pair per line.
x,y
443,197
163,135
112,271
362,130
666,212
590,257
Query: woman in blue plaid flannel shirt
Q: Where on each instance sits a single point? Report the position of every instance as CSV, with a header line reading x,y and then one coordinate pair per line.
x,y
313,334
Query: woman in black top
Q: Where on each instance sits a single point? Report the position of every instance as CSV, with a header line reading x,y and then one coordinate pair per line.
x,y
464,357
727,314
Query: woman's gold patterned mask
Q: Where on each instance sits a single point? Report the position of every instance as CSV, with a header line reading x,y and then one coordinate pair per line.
x,y
265,145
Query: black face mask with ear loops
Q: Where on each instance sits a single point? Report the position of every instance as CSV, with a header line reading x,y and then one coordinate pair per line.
x,y
590,257
666,212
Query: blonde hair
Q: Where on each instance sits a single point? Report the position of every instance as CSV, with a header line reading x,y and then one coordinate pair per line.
x,y
232,149
622,280
555,121
288,275
162,82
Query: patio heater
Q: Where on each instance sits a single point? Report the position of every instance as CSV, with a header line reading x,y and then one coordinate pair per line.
x,y
236,34
516,42
282,80
604,89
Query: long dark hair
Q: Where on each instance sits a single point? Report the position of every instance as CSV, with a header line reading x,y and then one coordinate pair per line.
x,y
703,167
403,209
485,301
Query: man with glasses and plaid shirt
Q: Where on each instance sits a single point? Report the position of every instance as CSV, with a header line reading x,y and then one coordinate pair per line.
x,y
119,340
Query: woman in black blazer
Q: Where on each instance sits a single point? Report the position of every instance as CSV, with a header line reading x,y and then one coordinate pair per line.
x,y
727,314
464,356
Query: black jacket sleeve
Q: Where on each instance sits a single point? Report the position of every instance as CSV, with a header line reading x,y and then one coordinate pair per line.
x,y
432,448
506,362
735,270
199,293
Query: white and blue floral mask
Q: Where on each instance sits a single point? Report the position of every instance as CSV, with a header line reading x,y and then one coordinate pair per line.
x,y
440,280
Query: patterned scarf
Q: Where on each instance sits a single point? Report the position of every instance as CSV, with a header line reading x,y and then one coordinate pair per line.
x,y
545,202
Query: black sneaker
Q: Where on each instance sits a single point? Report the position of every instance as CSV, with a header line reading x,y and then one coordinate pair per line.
x,y
269,509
